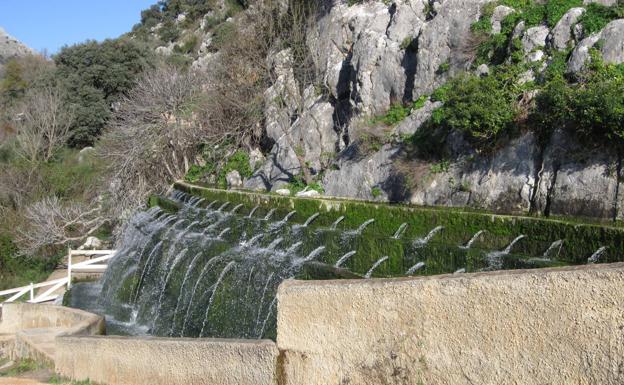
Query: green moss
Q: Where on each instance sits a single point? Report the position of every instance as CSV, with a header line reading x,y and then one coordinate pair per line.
x,y
166,204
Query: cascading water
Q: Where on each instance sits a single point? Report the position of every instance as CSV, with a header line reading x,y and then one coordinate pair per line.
x,y
206,271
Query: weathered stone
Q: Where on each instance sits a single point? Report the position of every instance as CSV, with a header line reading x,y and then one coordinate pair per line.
x,y
357,176
482,70
234,179
308,194
534,37
256,157
283,191
535,56
612,37
412,123
561,36
499,14
11,48
527,76
92,243
608,3
508,327
580,55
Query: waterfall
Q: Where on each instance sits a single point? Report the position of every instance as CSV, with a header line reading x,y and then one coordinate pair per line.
x,y
596,256
555,245
190,305
214,291
423,241
312,218
344,258
363,226
472,240
251,213
400,231
335,224
369,273
414,268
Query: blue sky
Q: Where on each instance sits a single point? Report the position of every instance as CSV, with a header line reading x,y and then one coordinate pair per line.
x,y
50,24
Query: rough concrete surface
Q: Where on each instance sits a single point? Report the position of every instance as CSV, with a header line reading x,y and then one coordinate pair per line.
x,y
167,361
551,326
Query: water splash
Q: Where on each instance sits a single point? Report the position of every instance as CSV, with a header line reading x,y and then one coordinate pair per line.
x,y
596,256
269,214
236,208
335,224
312,218
251,213
414,268
294,247
494,258
460,271
225,270
400,231
472,240
420,242
363,226
555,245
315,253
381,260
273,245
344,258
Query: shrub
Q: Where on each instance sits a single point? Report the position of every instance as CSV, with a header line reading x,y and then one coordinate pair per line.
x,y
597,16
239,161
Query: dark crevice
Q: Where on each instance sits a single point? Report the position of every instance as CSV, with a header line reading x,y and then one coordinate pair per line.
x,y
409,64
551,190
343,109
539,169
618,177
392,11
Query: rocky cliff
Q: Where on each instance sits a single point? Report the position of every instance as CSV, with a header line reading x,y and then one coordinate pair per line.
x,y
11,47
373,54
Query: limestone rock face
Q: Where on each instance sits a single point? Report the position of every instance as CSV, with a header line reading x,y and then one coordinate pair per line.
x,y
413,122
561,35
357,175
612,47
502,183
534,37
11,47
233,179
499,14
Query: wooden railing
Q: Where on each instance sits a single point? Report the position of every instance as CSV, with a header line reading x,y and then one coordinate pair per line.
x,y
93,265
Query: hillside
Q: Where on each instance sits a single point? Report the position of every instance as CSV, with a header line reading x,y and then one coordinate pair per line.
x,y
11,47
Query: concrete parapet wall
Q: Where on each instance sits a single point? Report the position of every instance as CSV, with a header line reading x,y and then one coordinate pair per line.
x,y
551,326
167,361
21,316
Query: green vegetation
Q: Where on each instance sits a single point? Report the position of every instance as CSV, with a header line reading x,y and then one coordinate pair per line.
x,y
20,367
597,16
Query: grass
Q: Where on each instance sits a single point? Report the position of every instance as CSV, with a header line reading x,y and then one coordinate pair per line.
x,y
21,367
58,380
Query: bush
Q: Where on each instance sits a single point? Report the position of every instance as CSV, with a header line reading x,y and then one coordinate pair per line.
x,y
597,16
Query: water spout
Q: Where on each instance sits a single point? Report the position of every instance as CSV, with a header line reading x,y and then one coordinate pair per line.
x,y
414,268
511,245
251,213
269,214
555,245
420,242
294,247
227,268
472,240
381,260
312,218
460,271
344,258
364,225
223,206
315,253
189,309
275,243
253,240
335,224
288,216
225,231
596,256
236,208
211,205
400,231
494,257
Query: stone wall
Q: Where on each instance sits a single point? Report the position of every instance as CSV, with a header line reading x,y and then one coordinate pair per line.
x,y
20,316
166,361
559,326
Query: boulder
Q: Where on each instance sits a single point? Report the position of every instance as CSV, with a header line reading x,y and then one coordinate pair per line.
x,y
607,3
580,54
612,48
256,157
91,243
561,36
499,14
412,123
482,70
308,193
234,179
534,37
283,192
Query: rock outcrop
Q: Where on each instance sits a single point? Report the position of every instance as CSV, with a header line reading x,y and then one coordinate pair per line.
x,y
11,47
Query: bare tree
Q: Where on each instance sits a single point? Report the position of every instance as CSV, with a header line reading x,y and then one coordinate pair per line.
x,y
51,222
154,135
42,124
